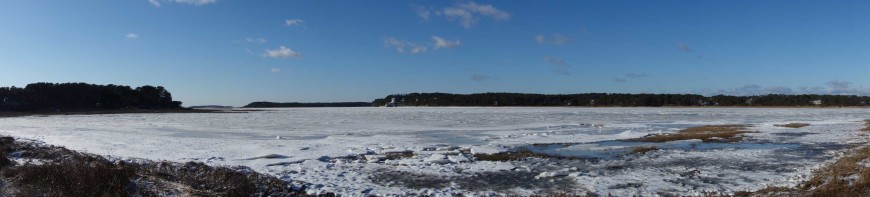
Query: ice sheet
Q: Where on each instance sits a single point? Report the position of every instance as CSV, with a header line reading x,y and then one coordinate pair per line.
x,y
321,146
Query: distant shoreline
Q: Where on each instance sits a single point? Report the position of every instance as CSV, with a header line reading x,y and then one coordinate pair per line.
x,y
7,114
4,114
590,107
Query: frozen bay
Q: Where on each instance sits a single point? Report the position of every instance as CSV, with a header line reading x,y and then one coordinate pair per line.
x,y
352,151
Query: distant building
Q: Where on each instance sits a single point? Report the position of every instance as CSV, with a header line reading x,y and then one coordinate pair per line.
x,y
816,102
392,103
749,101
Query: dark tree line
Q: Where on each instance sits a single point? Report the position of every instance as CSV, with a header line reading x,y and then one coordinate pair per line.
x,y
83,96
337,104
621,100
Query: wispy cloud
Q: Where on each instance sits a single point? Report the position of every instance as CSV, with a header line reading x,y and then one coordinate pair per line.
x,y
256,40
276,70
422,12
561,67
556,39
683,47
196,2
444,43
158,3
131,36
468,14
839,85
836,87
281,52
403,46
293,22
628,76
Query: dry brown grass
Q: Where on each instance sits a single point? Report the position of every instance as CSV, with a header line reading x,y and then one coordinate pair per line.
x,y
848,176
768,192
62,172
708,133
867,125
793,125
74,177
643,149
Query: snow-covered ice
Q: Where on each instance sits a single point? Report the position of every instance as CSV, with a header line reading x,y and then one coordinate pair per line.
x,y
384,151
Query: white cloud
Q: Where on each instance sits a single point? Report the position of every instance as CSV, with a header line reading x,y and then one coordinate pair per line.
x,y
276,70
196,2
487,10
256,40
422,12
281,52
403,46
468,14
158,3
556,39
628,76
443,43
465,17
293,22
131,36
540,38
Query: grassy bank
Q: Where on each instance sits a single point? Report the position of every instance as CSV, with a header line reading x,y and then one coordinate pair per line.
x,y
32,169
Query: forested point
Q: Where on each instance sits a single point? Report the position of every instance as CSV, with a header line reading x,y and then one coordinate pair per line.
x,y
336,104
56,97
618,100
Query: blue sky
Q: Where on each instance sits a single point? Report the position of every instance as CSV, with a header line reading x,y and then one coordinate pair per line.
x,y
232,52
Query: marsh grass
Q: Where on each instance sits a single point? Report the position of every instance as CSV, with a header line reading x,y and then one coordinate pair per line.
x,y
708,133
793,125
866,125
57,171
643,149
73,177
847,176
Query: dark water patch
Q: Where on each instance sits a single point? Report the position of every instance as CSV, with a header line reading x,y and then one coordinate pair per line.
x,y
500,181
269,156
